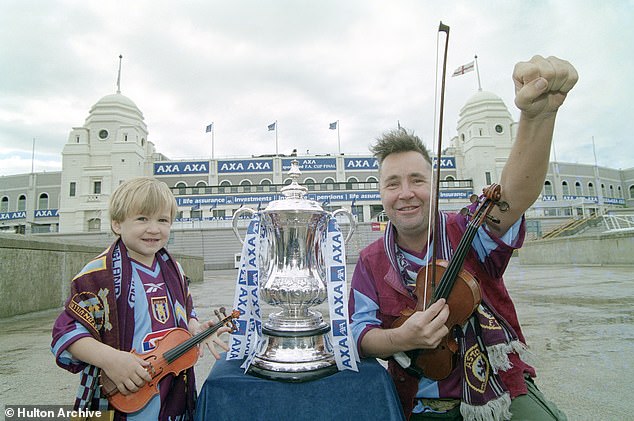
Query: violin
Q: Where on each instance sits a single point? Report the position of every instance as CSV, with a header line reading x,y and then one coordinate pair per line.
x,y
458,287
174,352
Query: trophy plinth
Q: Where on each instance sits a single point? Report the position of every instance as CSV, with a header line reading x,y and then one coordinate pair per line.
x,y
295,343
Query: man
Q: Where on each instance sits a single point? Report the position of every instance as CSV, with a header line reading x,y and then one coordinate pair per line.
x,y
490,380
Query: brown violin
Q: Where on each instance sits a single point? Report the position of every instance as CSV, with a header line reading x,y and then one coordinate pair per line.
x,y
174,352
457,286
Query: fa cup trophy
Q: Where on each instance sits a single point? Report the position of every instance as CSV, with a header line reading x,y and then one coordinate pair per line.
x,y
293,265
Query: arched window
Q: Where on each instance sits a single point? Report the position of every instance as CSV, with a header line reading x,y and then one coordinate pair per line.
x,y
94,224
352,183
265,185
548,188
619,192
452,178
309,183
42,202
611,190
591,191
200,187
246,185
182,187
631,192
223,186
374,182
603,192
578,189
565,189
21,203
4,204
330,183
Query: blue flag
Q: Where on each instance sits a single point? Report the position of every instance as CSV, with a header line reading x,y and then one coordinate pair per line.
x,y
271,126
333,126
209,128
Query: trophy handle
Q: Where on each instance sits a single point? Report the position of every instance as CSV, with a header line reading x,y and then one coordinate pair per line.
x,y
234,222
353,223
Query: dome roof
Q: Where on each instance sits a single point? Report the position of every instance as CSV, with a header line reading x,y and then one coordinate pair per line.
x,y
483,103
115,105
116,99
483,96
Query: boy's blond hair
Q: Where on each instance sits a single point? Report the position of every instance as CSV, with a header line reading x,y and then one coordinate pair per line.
x,y
142,195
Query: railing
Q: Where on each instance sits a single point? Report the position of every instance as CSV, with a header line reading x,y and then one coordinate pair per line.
x,y
447,185
573,227
618,222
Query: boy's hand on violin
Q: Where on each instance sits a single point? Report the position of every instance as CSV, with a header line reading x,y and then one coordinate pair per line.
x,y
213,340
425,329
541,85
127,371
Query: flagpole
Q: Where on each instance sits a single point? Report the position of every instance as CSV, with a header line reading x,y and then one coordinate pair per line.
x,y
33,157
276,143
212,140
478,72
338,138
596,175
119,75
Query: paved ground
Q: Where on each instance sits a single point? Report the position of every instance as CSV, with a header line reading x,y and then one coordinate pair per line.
x,y
578,322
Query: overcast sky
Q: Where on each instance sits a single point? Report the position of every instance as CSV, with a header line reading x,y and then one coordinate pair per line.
x,y
246,64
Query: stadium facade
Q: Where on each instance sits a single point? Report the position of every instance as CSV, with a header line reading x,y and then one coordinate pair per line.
x,y
112,145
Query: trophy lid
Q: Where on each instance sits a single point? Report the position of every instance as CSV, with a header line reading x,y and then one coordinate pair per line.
x,y
294,195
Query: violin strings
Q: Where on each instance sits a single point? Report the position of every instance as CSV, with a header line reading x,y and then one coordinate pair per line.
x,y
448,279
179,350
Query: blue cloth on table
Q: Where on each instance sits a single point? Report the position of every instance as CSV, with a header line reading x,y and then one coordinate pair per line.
x,y
230,394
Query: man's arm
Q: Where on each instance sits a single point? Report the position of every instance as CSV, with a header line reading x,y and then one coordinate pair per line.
x,y
541,86
423,330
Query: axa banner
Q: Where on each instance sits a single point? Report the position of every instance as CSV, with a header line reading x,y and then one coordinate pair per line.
x,y
356,164
5,216
173,168
245,166
315,164
45,213
446,162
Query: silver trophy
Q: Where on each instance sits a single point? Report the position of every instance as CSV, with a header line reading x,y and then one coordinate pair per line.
x,y
295,346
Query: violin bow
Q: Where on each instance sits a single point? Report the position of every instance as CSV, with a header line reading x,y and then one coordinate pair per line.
x,y
434,211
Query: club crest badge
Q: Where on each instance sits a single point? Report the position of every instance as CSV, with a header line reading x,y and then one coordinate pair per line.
x,y
160,309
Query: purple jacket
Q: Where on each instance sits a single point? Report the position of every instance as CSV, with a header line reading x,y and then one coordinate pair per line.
x,y
376,279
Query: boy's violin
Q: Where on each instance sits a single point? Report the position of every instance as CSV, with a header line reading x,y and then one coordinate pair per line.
x,y
174,352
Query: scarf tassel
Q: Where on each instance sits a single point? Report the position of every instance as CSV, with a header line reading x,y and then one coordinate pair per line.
x,y
497,409
499,354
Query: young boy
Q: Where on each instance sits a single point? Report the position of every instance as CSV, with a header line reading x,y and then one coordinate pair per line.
x,y
127,298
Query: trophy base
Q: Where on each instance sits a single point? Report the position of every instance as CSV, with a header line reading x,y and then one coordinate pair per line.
x,y
294,356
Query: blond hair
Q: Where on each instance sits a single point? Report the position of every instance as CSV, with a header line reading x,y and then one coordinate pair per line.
x,y
142,195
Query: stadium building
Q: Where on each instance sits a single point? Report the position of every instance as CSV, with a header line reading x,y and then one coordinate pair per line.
x,y
112,145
